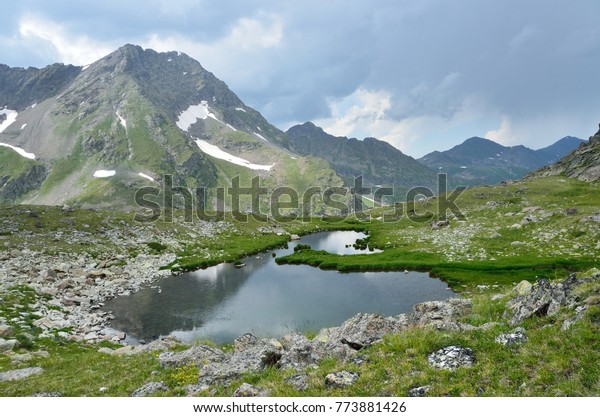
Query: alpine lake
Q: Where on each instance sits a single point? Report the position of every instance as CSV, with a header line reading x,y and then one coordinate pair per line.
x,y
261,297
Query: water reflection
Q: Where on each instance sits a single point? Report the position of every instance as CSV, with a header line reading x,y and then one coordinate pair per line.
x,y
223,302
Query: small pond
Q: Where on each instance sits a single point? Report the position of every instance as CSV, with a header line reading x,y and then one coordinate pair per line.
x,y
223,302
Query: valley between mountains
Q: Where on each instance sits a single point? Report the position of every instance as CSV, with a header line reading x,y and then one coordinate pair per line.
x,y
519,248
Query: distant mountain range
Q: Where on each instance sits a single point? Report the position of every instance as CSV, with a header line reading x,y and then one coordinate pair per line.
x,y
92,136
378,162
479,161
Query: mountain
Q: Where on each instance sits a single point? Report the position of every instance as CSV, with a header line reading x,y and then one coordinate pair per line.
x,y
583,163
377,161
479,161
93,135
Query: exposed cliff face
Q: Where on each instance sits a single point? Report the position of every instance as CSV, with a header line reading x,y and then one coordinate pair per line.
x,y
583,163
19,176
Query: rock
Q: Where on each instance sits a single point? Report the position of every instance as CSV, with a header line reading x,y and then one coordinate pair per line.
x,y
196,355
495,235
25,357
419,391
514,338
529,219
543,299
341,379
363,330
299,382
294,237
301,353
247,390
435,225
18,374
451,358
48,394
149,389
251,355
436,313
570,211
523,287
6,331
531,209
8,345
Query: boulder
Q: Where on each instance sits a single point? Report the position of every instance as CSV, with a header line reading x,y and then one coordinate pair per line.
x,y
6,330
515,338
18,374
250,355
341,379
196,355
363,330
298,381
523,287
300,353
451,358
150,389
438,313
8,345
419,391
247,390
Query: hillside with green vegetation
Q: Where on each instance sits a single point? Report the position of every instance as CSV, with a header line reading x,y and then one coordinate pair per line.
x,y
540,228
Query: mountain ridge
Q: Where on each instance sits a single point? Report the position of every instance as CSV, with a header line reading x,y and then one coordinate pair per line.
x,y
377,161
479,161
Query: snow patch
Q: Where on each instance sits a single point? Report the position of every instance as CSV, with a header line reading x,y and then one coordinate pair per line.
x,y
231,127
122,120
215,152
293,157
260,136
11,117
240,109
18,150
259,129
102,173
178,53
463,167
170,59
33,106
185,73
200,111
148,177
23,127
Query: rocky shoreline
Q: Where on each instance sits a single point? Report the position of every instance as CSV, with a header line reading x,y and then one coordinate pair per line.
x,y
73,288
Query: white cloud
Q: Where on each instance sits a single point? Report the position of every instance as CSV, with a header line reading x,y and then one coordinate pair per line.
x,y
54,41
235,57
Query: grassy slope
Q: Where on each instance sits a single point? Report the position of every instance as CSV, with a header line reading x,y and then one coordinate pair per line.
x,y
553,362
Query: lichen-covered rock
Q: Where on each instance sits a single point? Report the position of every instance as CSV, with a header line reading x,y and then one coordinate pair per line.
x,y
196,355
8,345
437,313
363,330
341,379
419,391
515,338
300,353
149,389
251,355
18,374
298,381
451,358
247,390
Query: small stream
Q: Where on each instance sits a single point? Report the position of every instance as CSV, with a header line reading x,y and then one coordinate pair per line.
x,y
268,300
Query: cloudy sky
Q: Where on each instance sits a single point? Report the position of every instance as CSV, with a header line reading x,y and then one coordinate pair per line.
x,y
422,75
